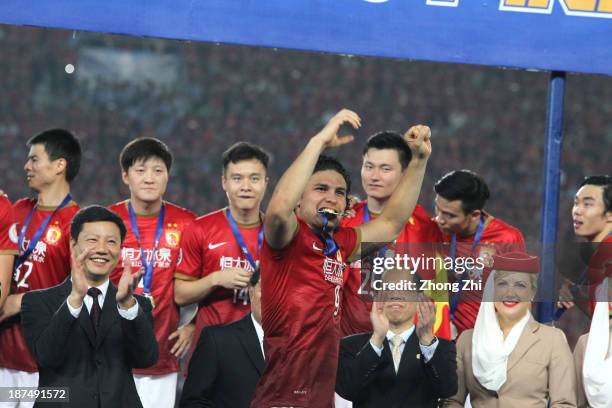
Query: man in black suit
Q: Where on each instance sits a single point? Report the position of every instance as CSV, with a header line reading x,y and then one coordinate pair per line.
x,y
228,360
399,364
85,334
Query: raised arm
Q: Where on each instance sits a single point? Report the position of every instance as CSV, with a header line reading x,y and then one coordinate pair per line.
x,y
280,222
398,209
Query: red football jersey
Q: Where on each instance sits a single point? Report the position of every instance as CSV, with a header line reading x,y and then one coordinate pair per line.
x,y
599,264
165,312
301,297
356,302
497,237
8,228
210,246
48,265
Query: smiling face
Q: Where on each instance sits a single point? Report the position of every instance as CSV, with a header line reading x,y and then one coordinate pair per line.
x,y
399,305
147,179
40,170
326,189
514,292
103,241
589,217
245,183
381,172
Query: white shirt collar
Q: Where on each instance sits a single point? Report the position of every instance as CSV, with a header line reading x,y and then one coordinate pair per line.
x,y
103,288
258,329
405,334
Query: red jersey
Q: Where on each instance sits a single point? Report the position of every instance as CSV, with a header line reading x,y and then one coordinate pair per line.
x,y
497,237
48,265
301,292
165,312
599,265
209,246
356,301
8,228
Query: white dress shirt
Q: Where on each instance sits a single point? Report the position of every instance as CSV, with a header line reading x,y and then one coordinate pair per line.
x,y
260,334
129,314
427,351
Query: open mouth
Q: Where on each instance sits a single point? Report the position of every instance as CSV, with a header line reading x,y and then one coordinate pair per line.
x,y
577,224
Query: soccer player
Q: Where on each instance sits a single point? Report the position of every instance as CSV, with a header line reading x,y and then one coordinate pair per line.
x,y
592,220
303,261
470,232
221,250
592,212
154,231
43,239
385,157
8,248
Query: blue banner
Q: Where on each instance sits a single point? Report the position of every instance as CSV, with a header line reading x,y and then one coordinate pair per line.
x,y
562,35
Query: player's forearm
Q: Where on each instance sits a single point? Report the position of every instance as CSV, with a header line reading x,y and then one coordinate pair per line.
x,y
403,200
290,187
188,292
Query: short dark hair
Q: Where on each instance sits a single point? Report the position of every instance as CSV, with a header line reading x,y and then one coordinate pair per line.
x,y
94,213
389,139
605,182
331,163
60,144
464,185
241,151
144,148
254,278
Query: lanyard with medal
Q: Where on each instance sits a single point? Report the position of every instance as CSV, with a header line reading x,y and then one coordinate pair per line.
x,y
453,253
575,289
331,247
148,266
23,256
245,251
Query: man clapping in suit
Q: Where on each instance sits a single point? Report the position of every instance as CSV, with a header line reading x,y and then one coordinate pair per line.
x,y
228,360
400,364
85,334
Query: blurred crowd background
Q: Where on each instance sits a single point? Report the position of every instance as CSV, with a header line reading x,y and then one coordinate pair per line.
x,y
201,97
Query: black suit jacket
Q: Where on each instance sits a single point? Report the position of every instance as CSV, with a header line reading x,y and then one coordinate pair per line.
x,y
96,369
370,381
225,367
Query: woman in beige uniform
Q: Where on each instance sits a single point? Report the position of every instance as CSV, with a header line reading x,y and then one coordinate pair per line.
x,y
593,353
509,360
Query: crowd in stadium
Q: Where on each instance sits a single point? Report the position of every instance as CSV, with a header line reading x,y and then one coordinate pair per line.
x,y
277,98
288,351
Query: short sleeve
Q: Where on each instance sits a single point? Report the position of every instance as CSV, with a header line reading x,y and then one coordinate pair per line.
x,y
8,229
190,262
